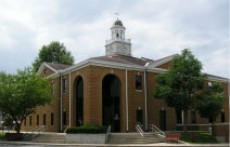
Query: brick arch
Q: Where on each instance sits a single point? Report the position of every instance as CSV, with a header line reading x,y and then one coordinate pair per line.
x,y
109,73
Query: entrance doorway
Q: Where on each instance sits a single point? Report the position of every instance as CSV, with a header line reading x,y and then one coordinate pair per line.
x,y
111,102
163,120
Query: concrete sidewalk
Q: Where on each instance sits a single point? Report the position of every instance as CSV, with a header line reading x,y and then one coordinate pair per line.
x,y
113,145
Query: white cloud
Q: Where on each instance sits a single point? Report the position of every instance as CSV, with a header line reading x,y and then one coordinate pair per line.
x,y
157,28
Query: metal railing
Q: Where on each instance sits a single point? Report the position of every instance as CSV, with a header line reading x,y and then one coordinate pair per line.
x,y
67,127
157,131
35,133
139,130
41,128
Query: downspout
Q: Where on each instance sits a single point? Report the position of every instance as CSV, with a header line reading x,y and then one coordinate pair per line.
x,y
229,105
70,99
61,104
182,117
146,100
126,98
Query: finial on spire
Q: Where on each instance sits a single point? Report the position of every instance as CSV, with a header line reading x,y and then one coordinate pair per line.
x,y
117,14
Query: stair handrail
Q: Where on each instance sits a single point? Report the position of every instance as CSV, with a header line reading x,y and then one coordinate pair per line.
x,y
67,127
157,131
108,131
35,132
38,130
139,130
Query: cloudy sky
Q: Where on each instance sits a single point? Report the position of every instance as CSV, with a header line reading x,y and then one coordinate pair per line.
x,y
157,28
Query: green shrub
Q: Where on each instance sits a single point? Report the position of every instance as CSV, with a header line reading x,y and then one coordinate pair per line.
x,y
2,136
87,129
198,137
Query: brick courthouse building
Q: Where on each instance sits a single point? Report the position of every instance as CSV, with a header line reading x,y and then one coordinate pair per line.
x,y
115,89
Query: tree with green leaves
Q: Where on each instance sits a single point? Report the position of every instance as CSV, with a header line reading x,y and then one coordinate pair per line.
x,y
178,86
55,52
210,102
21,93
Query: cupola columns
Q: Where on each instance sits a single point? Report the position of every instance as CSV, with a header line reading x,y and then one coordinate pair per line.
x,y
118,44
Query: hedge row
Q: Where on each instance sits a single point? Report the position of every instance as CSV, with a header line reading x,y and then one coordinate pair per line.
x,y
87,129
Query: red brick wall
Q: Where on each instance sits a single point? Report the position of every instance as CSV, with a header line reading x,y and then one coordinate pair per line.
x,y
92,77
53,107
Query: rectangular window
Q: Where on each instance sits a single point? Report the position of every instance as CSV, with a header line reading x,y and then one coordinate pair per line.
x,y
64,85
44,119
37,120
193,117
52,119
139,116
30,120
64,118
222,117
162,119
210,120
25,121
178,117
138,83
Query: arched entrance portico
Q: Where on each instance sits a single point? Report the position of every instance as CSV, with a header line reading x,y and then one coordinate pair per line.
x,y
111,102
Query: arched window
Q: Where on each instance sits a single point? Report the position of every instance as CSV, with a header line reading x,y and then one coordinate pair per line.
x,y
79,101
117,35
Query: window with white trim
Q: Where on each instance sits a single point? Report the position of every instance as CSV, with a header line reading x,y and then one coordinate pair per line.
x,y
138,82
64,85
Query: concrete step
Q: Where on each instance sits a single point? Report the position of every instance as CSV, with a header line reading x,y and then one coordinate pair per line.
x,y
50,138
133,138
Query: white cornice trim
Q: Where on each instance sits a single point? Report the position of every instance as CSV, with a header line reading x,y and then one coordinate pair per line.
x,y
163,60
94,62
113,65
217,78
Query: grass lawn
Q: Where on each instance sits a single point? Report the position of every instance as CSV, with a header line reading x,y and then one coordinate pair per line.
x,y
198,137
2,136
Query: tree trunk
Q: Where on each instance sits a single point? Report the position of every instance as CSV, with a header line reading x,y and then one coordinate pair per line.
x,y
17,125
213,129
185,120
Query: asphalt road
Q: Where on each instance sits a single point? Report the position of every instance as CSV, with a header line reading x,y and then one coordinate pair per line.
x,y
20,145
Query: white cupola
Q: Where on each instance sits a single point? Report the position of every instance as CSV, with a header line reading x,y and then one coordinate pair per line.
x,y
118,44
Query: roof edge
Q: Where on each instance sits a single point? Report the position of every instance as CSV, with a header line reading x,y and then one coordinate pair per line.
x,y
44,64
163,60
149,68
